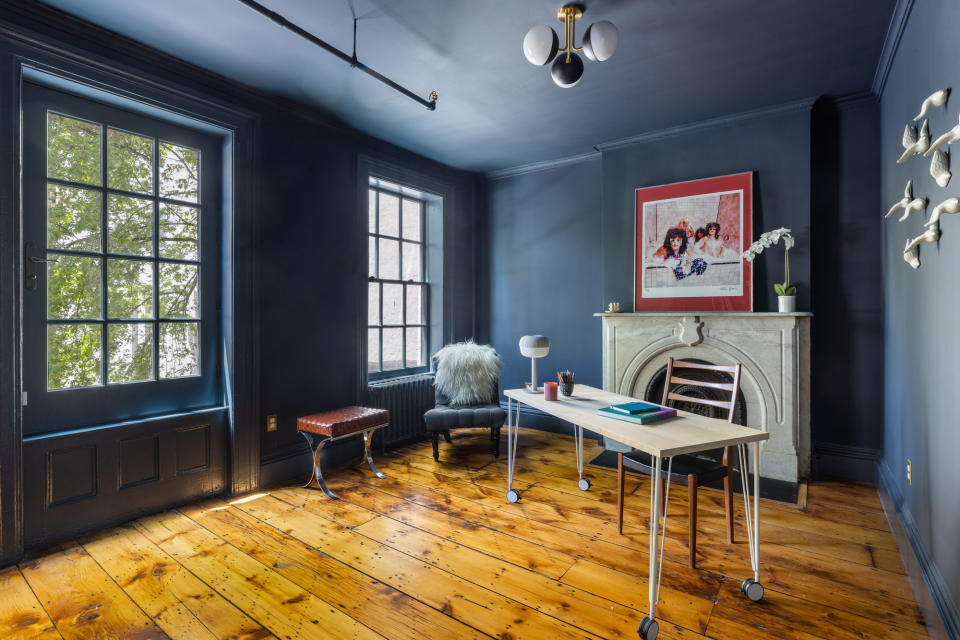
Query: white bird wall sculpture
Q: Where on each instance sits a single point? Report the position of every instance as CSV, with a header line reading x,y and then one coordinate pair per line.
x,y
940,167
950,205
948,138
908,203
935,99
911,253
920,146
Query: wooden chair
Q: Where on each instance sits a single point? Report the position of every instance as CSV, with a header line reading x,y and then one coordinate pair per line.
x,y
689,470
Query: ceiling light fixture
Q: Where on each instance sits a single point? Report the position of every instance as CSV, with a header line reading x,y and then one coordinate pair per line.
x,y
430,102
541,45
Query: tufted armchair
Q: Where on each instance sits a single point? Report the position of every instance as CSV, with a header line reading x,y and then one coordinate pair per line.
x,y
483,411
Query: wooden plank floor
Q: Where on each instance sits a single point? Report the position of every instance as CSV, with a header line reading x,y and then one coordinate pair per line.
x,y
435,551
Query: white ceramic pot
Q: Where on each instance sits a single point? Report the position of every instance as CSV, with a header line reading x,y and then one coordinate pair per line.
x,y
787,304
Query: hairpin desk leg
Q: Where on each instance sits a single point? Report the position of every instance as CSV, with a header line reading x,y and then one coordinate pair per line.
x,y
751,587
583,483
513,433
316,478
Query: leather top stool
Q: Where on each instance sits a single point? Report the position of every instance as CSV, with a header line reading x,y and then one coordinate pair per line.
x,y
321,428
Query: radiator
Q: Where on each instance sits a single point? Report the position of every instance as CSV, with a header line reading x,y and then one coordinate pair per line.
x,y
406,399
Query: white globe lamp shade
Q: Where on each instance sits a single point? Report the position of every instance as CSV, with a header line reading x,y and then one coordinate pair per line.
x,y
600,40
540,45
534,346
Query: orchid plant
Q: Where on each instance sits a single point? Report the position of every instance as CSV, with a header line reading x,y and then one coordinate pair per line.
x,y
766,241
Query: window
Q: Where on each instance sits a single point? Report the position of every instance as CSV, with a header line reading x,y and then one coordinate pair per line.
x,y
123,251
121,213
398,289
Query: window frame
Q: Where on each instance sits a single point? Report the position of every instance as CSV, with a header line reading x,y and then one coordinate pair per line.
x,y
377,186
55,410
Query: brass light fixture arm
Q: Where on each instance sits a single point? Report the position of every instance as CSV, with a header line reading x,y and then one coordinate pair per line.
x,y
430,102
568,15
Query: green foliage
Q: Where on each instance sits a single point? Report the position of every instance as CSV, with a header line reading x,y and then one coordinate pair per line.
x,y
784,290
75,351
129,162
73,149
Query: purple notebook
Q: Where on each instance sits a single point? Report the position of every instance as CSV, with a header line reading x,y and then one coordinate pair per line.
x,y
639,418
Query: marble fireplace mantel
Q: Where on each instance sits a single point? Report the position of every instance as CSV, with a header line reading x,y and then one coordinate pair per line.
x,y
774,349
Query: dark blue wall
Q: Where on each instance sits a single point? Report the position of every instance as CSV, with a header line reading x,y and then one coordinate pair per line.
x,y
545,270
775,147
846,286
921,306
310,269
816,172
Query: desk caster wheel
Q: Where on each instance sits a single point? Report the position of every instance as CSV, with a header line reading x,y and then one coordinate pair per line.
x,y
584,484
752,589
512,495
649,629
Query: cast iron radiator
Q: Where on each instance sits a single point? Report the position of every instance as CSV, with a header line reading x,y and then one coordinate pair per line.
x,y
406,399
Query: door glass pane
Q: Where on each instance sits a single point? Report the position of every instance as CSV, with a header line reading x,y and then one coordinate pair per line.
x,y
129,225
129,162
179,349
389,259
73,355
415,347
179,173
415,304
129,288
373,303
73,149
129,352
393,304
411,262
389,215
73,287
372,248
179,290
179,232
73,218
372,210
392,349
411,220
373,350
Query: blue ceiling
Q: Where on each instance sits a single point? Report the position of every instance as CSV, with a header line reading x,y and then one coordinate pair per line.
x,y
679,61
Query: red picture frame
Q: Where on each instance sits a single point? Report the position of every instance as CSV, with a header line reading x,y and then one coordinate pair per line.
x,y
689,237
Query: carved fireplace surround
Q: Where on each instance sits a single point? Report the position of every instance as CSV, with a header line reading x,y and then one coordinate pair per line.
x,y
774,349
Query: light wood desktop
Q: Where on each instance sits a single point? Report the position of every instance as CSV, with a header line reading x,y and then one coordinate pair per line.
x,y
687,433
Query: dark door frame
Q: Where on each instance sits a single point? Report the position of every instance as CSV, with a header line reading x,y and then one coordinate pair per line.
x,y
25,54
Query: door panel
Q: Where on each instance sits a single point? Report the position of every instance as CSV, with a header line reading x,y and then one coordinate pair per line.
x,y
94,478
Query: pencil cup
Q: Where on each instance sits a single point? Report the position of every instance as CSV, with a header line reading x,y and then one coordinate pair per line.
x,y
566,388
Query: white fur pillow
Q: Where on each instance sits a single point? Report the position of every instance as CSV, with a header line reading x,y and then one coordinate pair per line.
x,y
466,372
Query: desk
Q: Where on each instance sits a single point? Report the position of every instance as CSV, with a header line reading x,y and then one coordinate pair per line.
x,y
688,433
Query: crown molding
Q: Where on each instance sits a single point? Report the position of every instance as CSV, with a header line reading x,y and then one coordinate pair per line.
x,y
684,129
854,99
544,165
898,22
805,104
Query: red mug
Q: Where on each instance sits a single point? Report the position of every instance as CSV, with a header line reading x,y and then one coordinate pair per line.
x,y
549,390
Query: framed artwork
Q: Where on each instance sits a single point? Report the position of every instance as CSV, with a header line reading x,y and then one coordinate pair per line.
x,y
689,237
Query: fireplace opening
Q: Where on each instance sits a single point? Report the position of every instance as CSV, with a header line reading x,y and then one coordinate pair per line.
x,y
654,393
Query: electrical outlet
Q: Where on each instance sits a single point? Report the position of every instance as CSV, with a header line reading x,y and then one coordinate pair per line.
x,y
272,422
909,472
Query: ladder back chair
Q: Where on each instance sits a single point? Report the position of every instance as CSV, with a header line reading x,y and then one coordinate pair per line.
x,y
689,470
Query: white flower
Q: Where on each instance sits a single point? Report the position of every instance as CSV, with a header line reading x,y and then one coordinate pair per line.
x,y
767,240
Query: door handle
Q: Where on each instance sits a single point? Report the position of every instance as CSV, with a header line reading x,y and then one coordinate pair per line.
x,y
30,262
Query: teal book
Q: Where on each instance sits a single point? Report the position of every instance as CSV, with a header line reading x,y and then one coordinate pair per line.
x,y
633,408
647,417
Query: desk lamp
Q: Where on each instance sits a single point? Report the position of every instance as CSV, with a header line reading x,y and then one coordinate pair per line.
x,y
534,347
